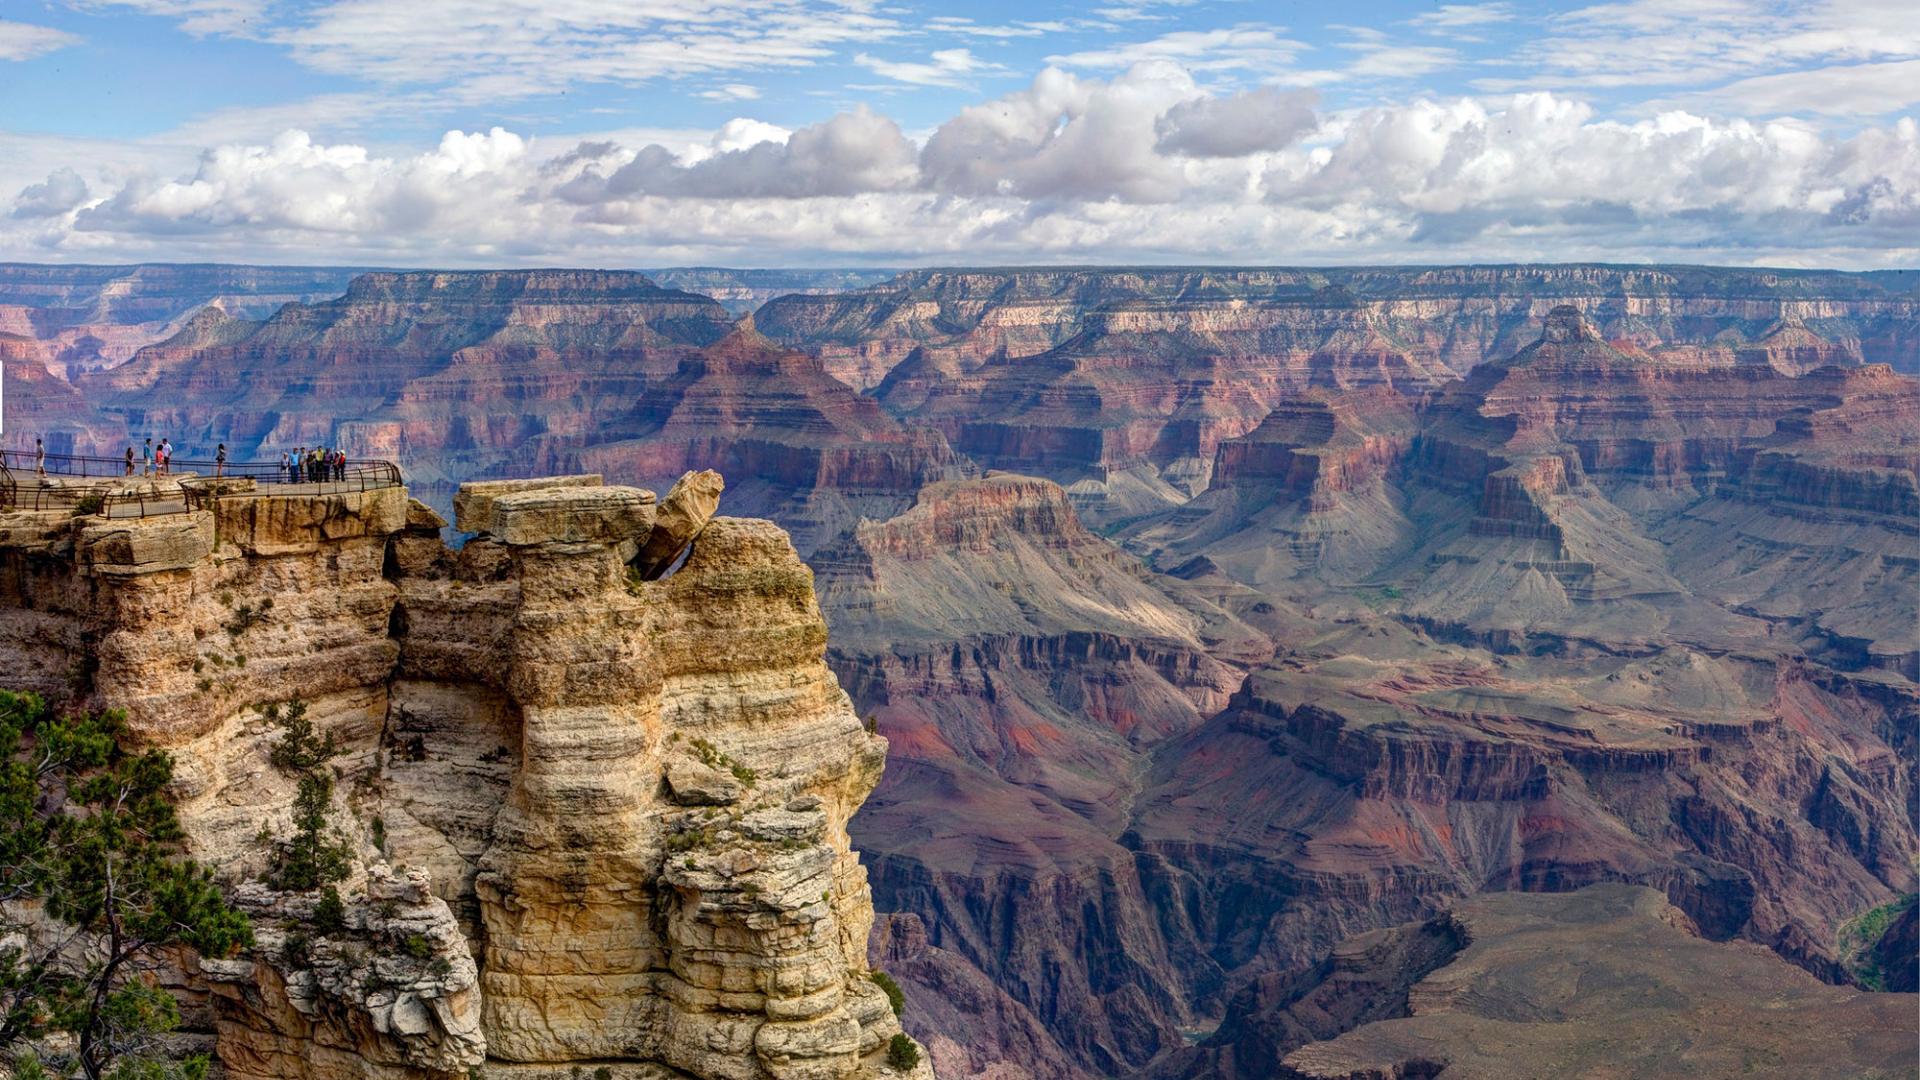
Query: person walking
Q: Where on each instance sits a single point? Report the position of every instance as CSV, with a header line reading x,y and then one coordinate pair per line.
x,y
129,461
146,458
220,460
39,458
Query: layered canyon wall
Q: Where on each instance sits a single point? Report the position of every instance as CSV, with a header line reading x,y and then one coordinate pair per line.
x,y
595,812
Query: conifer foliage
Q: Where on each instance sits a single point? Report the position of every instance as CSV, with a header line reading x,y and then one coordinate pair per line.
x,y
89,836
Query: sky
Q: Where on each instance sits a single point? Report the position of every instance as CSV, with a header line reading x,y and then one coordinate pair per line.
x,y
901,133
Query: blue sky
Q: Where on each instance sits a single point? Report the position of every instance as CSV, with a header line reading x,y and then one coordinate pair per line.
x,y
789,132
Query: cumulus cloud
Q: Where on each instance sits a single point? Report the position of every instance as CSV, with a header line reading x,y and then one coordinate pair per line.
x,y
24,41
1264,119
63,190
1148,164
1063,138
296,185
851,154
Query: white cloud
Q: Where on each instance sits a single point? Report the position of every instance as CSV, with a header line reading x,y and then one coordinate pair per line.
x,y
965,27
1639,43
1845,90
62,191
1064,138
732,92
851,154
1461,16
1236,126
200,17
1252,46
1147,165
944,67
24,41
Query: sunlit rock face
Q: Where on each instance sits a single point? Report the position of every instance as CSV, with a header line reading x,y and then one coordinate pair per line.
x,y
594,819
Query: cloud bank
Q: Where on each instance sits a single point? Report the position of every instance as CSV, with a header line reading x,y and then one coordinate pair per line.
x,y
1144,164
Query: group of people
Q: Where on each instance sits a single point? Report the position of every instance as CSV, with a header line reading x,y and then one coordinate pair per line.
x,y
314,466
158,460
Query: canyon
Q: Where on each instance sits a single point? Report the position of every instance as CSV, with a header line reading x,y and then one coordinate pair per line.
x,y
1212,618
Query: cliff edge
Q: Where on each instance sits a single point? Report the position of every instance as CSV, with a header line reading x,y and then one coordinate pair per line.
x,y
593,806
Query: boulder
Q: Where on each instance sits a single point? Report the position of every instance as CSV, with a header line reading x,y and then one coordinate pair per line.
x,y
601,514
473,503
684,512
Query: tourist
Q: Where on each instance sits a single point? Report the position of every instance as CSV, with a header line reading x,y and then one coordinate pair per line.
x,y
163,455
340,465
129,461
146,458
40,459
220,460
286,466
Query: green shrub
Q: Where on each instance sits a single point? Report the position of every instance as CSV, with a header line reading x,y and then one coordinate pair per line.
x,y
884,981
330,914
902,1054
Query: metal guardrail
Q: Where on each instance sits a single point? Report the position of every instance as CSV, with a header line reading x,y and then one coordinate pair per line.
x,y
22,486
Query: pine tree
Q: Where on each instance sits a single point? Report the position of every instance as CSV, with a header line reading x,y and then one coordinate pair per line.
x,y
89,830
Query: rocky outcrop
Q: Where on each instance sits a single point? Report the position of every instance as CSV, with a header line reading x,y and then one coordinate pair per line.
x,y
1606,979
593,820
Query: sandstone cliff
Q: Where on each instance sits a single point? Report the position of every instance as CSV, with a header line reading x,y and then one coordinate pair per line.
x,y
595,821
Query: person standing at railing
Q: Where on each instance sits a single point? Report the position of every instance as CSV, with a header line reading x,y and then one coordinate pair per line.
x,y
146,458
165,456
340,465
39,459
220,460
286,466
129,461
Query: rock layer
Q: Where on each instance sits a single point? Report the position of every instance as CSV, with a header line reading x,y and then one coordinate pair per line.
x,y
541,879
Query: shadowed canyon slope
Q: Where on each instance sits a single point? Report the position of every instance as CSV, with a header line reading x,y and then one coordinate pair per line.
x,y
1217,616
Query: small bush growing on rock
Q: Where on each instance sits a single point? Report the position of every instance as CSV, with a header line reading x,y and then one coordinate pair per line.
x,y
417,946
714,758
314,857
330,914
90,503
902,1054
895,996
603,1073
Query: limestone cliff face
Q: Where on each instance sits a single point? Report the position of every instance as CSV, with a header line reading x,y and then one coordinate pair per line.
x,y
596,820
